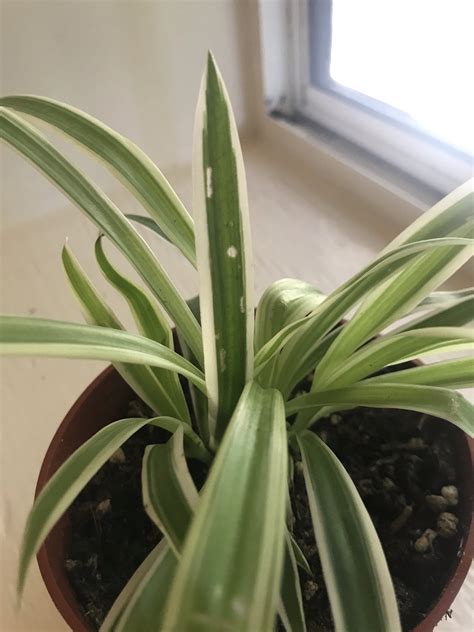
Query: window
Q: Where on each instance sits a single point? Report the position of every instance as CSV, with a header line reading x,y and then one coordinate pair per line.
x,y
390,76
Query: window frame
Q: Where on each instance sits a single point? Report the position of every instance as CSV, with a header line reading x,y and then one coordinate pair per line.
x,y
384,132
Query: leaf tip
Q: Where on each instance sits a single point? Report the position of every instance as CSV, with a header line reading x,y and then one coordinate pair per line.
x,y
65,251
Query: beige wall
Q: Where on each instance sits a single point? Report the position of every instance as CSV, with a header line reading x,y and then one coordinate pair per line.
x,y
136,65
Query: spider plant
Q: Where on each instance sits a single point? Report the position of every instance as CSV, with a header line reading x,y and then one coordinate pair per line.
x,y
227,560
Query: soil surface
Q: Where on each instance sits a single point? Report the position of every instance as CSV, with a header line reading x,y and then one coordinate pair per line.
x,y
400,461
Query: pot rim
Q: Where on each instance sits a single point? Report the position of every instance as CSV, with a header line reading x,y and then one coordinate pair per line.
x,y
66,602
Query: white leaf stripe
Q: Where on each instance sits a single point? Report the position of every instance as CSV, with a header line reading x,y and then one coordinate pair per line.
x,y
233,552
436,401
66,484
139,174
102,212
151,324
223,250
22,335
339,517
169,494
141,378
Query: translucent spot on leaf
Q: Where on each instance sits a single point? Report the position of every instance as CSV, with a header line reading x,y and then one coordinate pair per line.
x,y
242,306
222,354
209,182
232,252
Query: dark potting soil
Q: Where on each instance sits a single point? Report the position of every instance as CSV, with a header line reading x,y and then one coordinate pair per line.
x,y
398,461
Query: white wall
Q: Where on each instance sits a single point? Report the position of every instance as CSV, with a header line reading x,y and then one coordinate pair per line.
x,y
136,65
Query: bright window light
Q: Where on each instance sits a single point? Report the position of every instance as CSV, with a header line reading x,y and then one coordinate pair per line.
x,y
415,55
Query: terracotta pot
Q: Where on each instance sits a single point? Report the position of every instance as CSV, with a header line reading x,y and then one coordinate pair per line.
x,y
106,400
103,401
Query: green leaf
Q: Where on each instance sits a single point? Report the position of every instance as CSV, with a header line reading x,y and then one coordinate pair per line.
x,y
443,299
446,216
439,402
199,400
135,169
393,300
223,250
104,214
193,444
22,335
116,611
458,373
291,604
449,215
289,373
230,568
283,302
355,571
290,370
392,348
307,332
300,557
395,348
151,324
67,482
147,314
148,223
452,314
140,606
385,306
169,494
142,379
